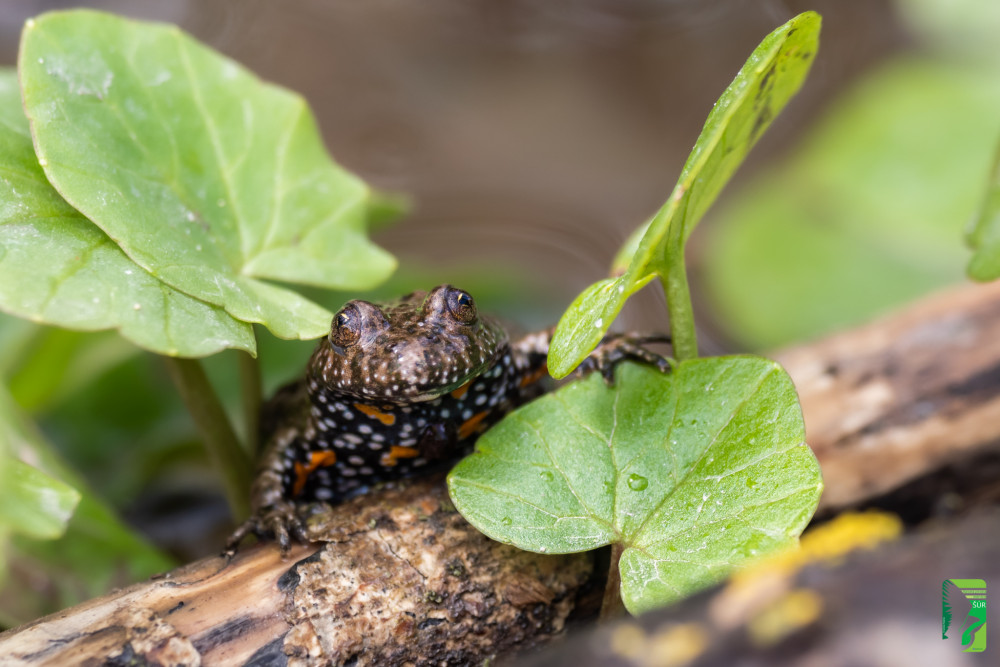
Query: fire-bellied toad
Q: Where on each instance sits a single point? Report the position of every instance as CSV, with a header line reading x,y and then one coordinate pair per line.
x,y
397,388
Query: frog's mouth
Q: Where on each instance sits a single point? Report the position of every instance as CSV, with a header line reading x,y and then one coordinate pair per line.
x,y
436,382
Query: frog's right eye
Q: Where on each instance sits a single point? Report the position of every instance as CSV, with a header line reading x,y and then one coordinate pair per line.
x,y
346,329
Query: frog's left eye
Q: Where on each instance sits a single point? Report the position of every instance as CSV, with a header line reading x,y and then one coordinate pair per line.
x,y
462,306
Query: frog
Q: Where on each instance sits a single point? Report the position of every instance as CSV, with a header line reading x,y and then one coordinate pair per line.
x,y
397,389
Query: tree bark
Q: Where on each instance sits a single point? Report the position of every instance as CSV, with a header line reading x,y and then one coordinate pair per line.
x,y
899,398
883,404
402,579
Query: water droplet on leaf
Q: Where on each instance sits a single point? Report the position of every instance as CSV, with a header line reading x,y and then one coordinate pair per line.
x,y
637,482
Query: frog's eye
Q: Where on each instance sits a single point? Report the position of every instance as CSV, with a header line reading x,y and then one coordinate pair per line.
x,y
346,329
462,306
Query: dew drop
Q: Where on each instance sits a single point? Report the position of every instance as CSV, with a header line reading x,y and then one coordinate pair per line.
x,y
546,475
505,521
637,482
751,483
599,322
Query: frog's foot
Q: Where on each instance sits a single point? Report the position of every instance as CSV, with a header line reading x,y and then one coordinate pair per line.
x,y
279,521
616,348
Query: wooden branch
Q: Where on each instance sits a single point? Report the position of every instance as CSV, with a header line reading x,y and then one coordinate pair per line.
x,y
404,580
899,398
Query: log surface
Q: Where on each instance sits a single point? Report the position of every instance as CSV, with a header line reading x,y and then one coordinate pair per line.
x,y
901,397
401,578
884,404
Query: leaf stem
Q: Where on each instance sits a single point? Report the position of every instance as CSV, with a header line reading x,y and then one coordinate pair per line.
x,y
611,605
675,284
250,393
224,449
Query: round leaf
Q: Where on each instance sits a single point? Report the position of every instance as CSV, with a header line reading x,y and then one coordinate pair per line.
x,y
56,267
204,175
692,472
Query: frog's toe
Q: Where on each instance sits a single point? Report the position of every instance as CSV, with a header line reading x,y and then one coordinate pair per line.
x,y
279,522
617,348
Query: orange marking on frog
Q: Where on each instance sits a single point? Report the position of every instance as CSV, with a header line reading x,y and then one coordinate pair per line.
x,y
384,417
472,425
391,457
535,376
302,472
461,391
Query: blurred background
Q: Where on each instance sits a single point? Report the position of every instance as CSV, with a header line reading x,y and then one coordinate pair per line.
x,y
532,138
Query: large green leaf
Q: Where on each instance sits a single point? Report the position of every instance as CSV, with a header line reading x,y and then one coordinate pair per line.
x,y
204,175
771,76
58,268
693,472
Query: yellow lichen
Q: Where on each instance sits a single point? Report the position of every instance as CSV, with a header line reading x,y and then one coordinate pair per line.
x,y
754,587
795,610
674,646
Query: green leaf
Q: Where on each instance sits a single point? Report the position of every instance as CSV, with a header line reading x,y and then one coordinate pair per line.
x,y
56,267
207,177
33,503
984,238
771,76
693,472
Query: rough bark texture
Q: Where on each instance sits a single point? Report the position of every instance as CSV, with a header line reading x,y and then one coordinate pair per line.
x,y
892,401
401,579
892,408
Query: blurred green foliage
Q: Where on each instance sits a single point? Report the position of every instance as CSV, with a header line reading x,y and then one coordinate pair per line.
x,y
869,211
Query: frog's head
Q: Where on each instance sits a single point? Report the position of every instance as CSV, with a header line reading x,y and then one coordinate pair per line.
x,y
415,349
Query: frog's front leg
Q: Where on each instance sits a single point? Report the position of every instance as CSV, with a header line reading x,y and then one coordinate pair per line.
x,y
530,354
438,440
616,348
271,513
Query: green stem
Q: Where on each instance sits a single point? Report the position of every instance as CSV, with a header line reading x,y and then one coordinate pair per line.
x,y
224,449
250,393
675,284
611,605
